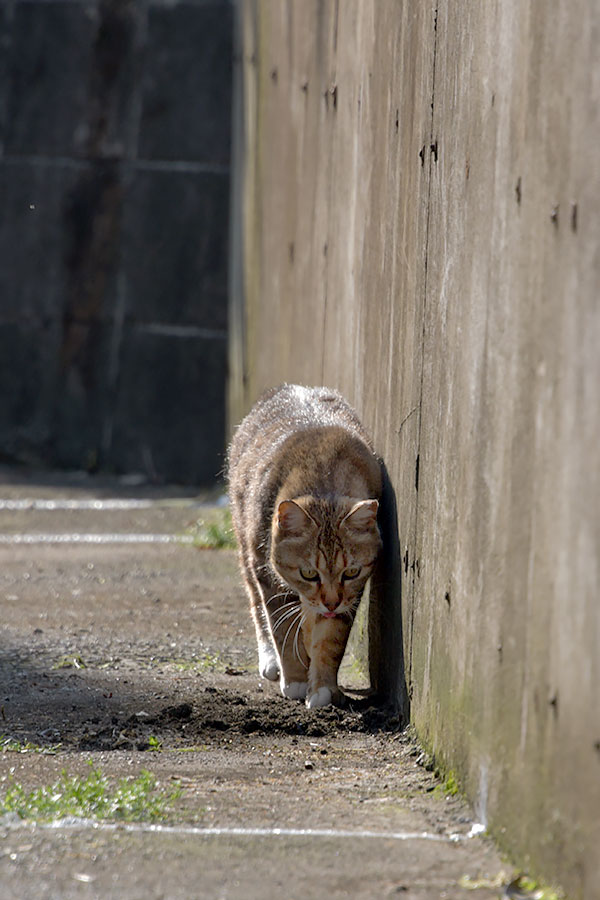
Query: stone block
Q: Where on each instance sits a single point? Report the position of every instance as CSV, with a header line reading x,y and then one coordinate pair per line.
x,y
175,248
49,89
169,420
32,239
59,228
28,364
5,41
115,66
83,396
187,83
56,396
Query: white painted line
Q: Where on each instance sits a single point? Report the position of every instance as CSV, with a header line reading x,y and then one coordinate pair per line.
x,y
41,538
74,823
297,832
30,503
93,504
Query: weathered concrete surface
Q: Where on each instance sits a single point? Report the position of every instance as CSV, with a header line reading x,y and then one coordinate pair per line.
x,y
114,194
166,649
419,207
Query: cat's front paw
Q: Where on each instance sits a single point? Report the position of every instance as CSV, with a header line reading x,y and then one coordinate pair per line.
x,y
294,690
323,696
268,665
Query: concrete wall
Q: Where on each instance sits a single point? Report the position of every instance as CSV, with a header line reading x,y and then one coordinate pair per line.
x,y
417,222
114,202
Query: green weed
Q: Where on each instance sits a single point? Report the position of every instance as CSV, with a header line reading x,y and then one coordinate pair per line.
x,y
485,883
451,785
196,748
92,797
214,535
13,745
208,662
71,661
526,888
520,888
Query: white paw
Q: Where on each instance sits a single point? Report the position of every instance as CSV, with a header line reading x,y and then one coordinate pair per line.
x,y
294,690
268,664
321,697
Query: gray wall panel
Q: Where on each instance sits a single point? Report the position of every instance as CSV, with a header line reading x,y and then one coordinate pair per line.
x,y
419,223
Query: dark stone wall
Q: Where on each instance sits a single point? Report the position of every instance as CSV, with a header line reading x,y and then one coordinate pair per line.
x,y
114,197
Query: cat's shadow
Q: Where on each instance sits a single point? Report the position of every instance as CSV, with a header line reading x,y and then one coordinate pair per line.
x,y
386,639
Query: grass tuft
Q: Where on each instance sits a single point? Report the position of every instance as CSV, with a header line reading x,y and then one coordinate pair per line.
x,y
520,888
207,662
92,797
451,787
71,661
215,535
14,745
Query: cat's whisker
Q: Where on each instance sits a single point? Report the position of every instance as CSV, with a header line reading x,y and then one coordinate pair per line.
x,y
350,612
281,622
287,635
277,622
288,632
278,596
292,604
284,605
296,647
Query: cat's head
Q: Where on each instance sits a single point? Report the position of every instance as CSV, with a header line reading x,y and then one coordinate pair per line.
x,y
325,550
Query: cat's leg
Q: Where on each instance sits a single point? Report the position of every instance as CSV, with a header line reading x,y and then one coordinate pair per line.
x,y
285,617
268,661
327,639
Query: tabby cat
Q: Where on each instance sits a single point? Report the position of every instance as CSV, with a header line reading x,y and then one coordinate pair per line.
x,y
305,486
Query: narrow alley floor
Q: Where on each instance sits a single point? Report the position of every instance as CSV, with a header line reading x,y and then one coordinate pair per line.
x,y
124,649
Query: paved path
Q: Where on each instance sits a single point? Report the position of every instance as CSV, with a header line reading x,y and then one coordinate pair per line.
x,y
113,635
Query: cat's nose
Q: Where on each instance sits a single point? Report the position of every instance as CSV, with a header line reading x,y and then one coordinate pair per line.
x,y
331,603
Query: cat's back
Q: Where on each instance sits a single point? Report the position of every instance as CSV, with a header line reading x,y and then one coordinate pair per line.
x,y
300,428
286,411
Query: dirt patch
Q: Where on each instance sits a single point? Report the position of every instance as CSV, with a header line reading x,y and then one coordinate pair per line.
x,y
217,712
103,648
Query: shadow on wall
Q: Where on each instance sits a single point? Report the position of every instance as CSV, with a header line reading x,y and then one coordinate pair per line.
x,y
386,644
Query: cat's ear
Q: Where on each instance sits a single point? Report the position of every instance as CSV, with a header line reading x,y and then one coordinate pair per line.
x,y
292,519
362,516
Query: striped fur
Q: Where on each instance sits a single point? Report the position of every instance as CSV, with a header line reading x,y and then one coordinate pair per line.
x,y
305,485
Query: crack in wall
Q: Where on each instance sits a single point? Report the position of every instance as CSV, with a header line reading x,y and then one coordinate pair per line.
x,y
432,158
333,81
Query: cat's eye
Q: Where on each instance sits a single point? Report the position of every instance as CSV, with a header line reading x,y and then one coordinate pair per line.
x,y
309,574
350,573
